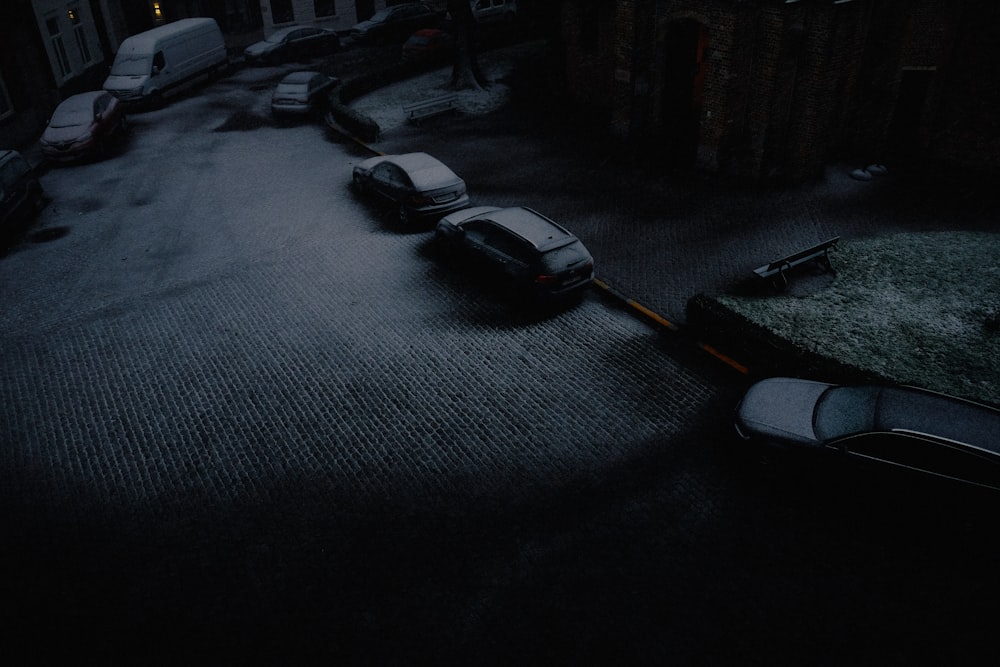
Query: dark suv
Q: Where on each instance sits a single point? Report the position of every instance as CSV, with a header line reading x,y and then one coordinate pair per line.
x,y
524,245
21,194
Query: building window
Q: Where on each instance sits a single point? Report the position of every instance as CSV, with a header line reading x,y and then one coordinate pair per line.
x,y
58,47
324,8
281,11
78,32
6,108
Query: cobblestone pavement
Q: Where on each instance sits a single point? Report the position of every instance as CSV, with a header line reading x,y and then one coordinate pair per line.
x,y
247,419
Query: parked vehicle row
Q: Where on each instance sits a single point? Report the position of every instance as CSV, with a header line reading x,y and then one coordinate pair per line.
x,y
529,250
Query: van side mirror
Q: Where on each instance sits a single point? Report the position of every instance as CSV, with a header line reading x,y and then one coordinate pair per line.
x,y
155,70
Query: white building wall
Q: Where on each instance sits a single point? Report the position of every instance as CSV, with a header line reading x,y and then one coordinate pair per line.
x,y
304,13
69,35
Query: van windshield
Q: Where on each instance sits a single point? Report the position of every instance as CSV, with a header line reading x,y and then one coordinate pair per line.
x,y
131,64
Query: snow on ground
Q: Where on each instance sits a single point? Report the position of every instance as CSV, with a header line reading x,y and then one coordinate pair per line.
x,y
385,105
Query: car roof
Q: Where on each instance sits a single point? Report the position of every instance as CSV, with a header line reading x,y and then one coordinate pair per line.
x,y
424,170
913,410
144,41
531,226
299,77
83,100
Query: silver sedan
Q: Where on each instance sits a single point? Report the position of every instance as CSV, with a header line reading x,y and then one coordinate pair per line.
x,y
902,426
421,186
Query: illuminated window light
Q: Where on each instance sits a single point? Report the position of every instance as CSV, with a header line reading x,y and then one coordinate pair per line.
x,y
156,10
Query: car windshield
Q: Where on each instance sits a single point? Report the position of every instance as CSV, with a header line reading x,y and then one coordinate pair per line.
x,y
291,88
73,113
841,411
381,16
131,64
11,170
277,37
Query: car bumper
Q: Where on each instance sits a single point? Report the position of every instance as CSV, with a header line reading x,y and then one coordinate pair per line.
x,y
70,154
438,210
290,109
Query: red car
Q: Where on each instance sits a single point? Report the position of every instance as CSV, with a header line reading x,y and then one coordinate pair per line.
x,y
82,126
428,42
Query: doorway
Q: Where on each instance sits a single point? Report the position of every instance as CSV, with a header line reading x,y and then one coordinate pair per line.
x,y
907,116
683,83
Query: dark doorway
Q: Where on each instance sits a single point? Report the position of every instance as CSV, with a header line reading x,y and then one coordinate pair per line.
x,y
907,117
683,81
365,9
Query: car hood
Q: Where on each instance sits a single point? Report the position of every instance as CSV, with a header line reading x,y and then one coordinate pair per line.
x,y
59,135
259,48
364,26
781,409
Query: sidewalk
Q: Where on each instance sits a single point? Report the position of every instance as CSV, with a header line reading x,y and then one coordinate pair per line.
x,y
659,238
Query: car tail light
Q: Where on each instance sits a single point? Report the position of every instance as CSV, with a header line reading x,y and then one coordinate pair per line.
x,y
545,280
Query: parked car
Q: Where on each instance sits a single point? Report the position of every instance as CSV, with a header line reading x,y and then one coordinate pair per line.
x,y
21,195
290,43
494,11
302,93
428,43
395,23
420,185
82,126
531,250
896,425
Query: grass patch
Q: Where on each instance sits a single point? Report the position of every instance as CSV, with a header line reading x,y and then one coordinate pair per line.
x,y
914,308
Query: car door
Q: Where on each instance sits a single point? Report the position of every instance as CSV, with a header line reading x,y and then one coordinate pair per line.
x,y
491,243
308,41
916,452
390,181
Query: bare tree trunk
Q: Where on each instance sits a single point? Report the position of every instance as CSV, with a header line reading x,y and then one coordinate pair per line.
x,y
466,73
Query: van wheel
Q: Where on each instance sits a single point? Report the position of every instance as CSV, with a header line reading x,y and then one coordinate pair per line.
x,y
156,100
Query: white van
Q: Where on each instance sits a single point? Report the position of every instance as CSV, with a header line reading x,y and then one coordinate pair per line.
x,y
158,63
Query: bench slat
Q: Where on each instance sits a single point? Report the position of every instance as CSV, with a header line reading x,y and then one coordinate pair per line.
x,y
820,251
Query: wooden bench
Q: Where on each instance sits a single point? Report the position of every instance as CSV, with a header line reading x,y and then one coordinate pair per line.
x,y
437,105
777,271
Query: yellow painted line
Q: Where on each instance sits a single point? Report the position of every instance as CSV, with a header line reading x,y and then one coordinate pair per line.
x,y
672,327
724,359
647,312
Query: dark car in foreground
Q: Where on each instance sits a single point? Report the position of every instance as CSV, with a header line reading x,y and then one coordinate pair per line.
x,y
82,126
394,24
290,43
529,249
900,426
21,195
421,186
302,93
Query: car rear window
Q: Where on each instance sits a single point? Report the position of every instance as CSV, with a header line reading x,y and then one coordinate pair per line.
x,y
561,258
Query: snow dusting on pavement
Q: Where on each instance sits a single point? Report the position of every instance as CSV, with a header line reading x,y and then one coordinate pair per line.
x,y
385,105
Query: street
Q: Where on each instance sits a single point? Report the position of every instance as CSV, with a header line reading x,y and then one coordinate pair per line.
x,y
247,418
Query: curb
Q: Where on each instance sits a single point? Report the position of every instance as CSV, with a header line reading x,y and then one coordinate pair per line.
x,y
669,326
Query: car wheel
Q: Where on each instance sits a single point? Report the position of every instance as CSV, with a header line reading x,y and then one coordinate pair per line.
x,y
404,215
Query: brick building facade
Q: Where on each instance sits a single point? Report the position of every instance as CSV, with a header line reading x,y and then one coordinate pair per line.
x,y
777,88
